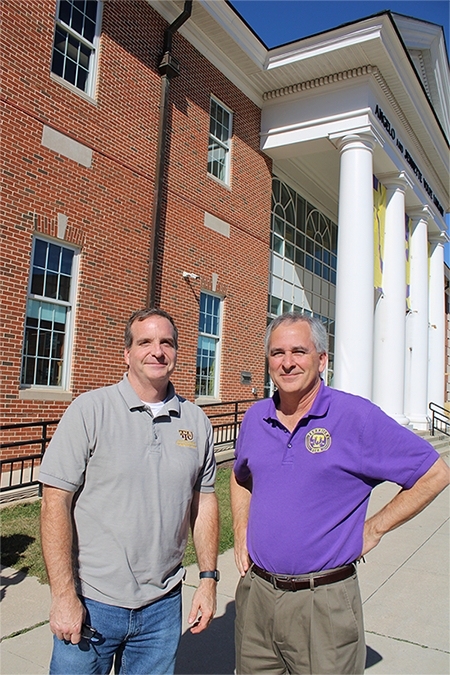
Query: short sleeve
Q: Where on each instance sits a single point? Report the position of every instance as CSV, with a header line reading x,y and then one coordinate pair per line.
x,y
240,468
393,452
65,460
207,477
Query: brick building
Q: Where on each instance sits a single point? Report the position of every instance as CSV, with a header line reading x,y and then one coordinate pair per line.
x,y
78,189
256,188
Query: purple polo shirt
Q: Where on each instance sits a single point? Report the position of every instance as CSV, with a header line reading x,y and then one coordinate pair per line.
x,y
311,488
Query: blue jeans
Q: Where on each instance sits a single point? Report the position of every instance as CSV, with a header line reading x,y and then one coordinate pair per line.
x,y
144,640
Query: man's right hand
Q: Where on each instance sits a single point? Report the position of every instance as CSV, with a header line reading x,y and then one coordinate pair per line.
x,y
66,618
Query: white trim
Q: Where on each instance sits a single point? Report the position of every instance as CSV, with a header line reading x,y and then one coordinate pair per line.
x,y
93,46
218,354
70,304
226,146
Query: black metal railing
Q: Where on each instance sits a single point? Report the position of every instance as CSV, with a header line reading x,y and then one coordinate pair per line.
x,y
19,472
440,419
231,413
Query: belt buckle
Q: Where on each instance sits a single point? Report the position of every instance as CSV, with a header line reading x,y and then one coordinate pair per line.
x,y
285,579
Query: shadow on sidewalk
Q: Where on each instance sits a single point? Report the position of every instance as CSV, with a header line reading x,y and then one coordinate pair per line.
x,y
372,657
211,651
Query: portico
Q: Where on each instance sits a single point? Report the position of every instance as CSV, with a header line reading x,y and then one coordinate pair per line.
x,y
329,137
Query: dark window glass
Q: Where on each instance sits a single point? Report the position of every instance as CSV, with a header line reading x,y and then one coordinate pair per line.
x,y
65,9
300,240
299,257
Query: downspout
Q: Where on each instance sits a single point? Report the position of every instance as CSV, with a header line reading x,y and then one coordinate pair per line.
x,y
168,68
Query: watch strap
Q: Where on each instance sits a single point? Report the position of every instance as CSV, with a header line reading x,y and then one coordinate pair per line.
x,y
210,574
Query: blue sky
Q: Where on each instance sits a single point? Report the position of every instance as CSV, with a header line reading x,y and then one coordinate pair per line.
x,y
279,21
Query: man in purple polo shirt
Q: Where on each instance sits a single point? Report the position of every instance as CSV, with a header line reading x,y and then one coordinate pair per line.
x,y
306,462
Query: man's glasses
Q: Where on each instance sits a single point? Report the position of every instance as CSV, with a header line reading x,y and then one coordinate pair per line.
x,y
89,633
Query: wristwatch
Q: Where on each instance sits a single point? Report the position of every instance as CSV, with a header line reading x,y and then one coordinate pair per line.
x,y
214,574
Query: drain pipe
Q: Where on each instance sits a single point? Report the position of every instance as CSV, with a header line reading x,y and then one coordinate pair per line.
x,y
168,68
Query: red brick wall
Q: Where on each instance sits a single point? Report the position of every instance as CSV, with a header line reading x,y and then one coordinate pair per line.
x,y
109,205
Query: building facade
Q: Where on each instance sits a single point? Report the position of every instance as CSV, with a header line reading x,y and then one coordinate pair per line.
x,y
313,176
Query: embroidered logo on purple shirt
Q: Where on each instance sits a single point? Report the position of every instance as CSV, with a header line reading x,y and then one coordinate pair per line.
x,y
318,440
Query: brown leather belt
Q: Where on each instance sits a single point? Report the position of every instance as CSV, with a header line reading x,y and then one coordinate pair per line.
x,y
292,583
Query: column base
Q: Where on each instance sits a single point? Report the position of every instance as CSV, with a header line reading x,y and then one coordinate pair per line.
x,y
401,419
419,422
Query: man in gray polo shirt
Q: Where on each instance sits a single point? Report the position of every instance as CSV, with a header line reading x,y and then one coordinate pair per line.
x,y
130,466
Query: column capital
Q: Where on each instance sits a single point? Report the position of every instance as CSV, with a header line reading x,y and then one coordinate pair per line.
x,y
439,238
365,139
396,180
418,213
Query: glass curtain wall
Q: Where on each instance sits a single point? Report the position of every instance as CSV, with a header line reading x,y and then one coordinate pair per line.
x,y
303,244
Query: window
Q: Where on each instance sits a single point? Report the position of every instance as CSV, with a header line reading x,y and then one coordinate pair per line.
x,y
76,42
48,314
303,262
208,346
219,141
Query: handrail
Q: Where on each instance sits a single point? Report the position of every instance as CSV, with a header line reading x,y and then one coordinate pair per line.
x,y
18,472
226,433
440,419
21,469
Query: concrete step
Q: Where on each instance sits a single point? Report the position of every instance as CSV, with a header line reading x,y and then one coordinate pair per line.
x,y
440,441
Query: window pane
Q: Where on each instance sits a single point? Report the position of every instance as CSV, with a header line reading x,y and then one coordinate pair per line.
x,y
77,21
51,284
275,306
82,79
42,372
299,257
289,251
66,261
65,9
69,71
64,288
37,281
290,233
91,9
54,253
278,245
40,253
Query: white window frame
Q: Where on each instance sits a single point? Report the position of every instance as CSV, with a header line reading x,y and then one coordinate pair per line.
x,y
218,350
225,146
93,46
70,317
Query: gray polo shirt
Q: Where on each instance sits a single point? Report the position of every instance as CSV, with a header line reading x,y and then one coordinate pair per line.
x,y
134,475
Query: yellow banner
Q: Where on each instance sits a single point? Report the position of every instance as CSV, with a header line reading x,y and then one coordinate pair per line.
x,y
379,218
408,222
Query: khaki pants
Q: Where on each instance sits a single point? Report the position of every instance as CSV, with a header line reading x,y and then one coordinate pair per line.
x,y
303,632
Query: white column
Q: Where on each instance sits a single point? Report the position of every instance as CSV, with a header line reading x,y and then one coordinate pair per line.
x,y
436,335
417,323
390,310
355,267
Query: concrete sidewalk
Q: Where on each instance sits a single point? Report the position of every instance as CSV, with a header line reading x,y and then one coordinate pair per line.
x,y
404,585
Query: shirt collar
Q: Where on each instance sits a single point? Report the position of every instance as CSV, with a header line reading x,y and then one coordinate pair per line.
x,y
133,401
319,407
